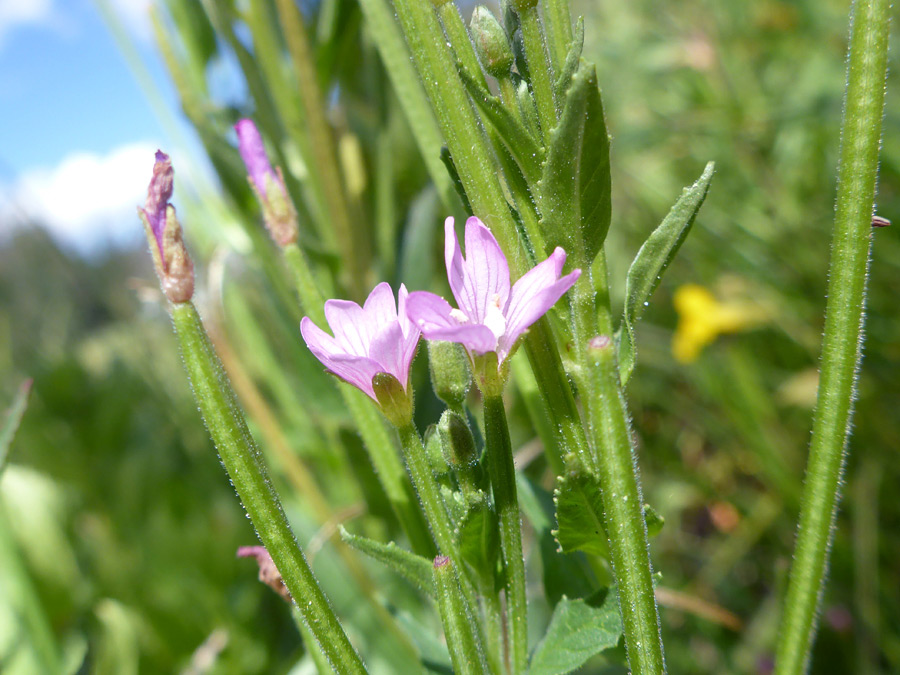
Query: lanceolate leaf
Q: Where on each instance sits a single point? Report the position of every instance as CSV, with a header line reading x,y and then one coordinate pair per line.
x,y
523,147
572,60
575,185
578,630
652,260
579,514
414,568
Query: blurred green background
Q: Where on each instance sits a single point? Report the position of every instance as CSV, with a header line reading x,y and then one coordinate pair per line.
x,y
118,527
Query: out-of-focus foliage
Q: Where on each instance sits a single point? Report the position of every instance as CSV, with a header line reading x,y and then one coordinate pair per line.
x,y
124,526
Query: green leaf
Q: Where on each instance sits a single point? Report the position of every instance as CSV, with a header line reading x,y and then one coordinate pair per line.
x,y
13,419
579,514
414,568
449,164
478,536
562,574
654,521
652,260
572,60
578,630
574,189
524,149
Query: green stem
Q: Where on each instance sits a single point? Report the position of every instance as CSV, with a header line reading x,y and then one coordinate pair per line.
x,y
459,626
429,493
844,315
615,464
503,482
243,462
558,22
539,68
322,143
460,41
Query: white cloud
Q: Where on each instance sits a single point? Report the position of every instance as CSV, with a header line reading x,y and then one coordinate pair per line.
x,y
16,13
87,201
135,16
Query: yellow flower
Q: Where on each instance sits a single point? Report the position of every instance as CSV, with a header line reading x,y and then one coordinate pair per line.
x,y
702,318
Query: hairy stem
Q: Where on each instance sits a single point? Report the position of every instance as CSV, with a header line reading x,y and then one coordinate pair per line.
x,y
844,315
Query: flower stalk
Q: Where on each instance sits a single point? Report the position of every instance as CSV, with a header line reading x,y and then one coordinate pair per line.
x,y
503,483
844,316
243,462
466,652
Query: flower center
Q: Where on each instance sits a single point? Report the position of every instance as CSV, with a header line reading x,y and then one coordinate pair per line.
x,y
494,319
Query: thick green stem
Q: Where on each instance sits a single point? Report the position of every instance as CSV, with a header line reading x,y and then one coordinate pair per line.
x,y
623,514
615,464
558,22
539,68
503,482
441,526
243,462
466,652
844,315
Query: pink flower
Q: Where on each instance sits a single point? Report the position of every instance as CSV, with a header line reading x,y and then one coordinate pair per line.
x,y
491,315
375,338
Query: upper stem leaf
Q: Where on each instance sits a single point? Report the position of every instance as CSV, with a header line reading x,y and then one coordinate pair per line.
x,y
575,185
652,260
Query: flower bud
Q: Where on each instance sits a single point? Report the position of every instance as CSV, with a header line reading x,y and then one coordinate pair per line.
x,y
434,448
459,447
164,235
394,400
493,48
450,374
268,185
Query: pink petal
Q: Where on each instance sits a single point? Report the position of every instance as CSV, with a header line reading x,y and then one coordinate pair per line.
x,y
388,350
318,340
357,370
380,308
535,293
349,325
485,272
432,314
411,332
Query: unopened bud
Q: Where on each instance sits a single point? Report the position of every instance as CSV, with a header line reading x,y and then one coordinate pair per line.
x,y
450,374
456,437
268,184
493,48
459,447
394,400
164,235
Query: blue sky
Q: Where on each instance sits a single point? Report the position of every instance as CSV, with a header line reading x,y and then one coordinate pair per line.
x,y
74,124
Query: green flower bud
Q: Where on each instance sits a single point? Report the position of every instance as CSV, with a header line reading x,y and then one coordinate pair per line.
x,y
493,48
459,448
450,375
395,402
